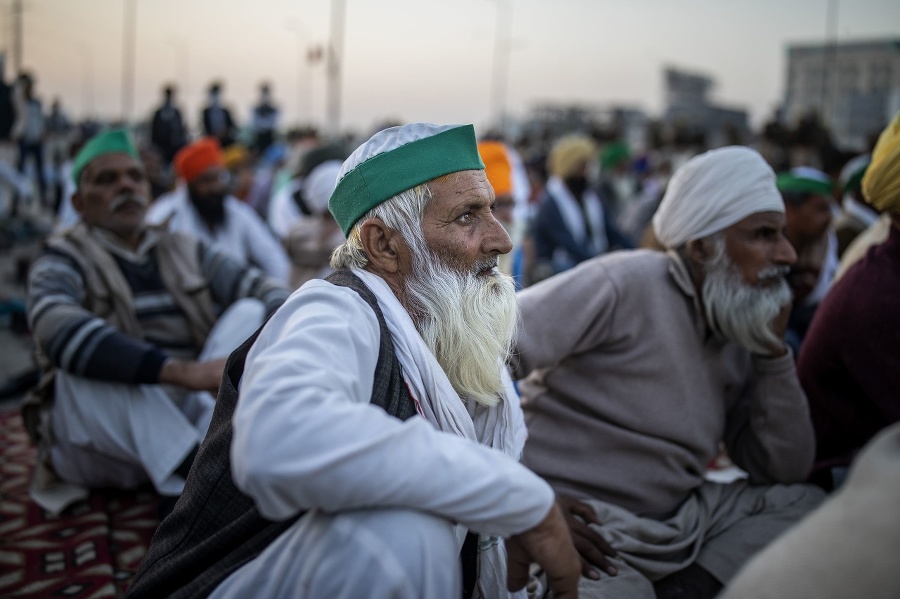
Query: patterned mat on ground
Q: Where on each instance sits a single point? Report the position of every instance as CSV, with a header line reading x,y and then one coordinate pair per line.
x,y
91,551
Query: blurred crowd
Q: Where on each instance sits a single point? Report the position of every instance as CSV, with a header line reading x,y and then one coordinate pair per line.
x,y
255,194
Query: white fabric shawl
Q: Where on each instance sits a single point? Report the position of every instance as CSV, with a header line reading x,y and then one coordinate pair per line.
x,y
501,427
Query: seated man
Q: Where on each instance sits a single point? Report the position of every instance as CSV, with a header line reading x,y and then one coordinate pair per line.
x,y
375,423
808,203
129,322
204,208
850,363
640,363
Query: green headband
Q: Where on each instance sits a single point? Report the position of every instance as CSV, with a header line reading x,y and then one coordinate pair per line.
x,y
384,175
855,182
116,141
790,183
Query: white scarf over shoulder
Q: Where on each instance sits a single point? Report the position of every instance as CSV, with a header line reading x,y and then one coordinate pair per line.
x,y
501,427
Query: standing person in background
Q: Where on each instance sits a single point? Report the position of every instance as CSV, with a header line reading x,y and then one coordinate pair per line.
x,y
167,131
264,120
216,118
17,184
28,130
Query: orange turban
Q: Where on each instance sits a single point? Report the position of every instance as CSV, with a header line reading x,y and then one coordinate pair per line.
x,y
193,159
496,166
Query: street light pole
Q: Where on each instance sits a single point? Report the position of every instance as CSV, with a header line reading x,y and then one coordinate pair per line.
x,y
304,88
128,52
17,36
87,81
502,44
335,58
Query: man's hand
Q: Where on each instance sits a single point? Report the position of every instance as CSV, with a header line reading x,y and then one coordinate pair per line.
x,y
193,375
549,545
779,328
592,548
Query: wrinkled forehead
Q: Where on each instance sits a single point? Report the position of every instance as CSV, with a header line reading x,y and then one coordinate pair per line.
x,y
461,186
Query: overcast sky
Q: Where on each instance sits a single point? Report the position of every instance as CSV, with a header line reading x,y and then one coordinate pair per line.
x,y
430,60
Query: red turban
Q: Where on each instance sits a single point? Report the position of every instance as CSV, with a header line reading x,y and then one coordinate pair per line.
x,y
192,160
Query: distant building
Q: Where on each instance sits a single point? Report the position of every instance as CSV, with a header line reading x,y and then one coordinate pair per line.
x,y
627,124
853,86
688,107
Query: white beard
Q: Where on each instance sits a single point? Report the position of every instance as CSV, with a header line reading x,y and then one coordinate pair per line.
x,y
744,313
466,319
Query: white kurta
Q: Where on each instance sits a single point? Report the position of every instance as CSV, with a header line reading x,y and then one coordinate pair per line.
x,y
243,235
119,435
306,437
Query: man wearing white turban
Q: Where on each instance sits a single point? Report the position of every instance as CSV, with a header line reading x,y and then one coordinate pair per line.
x,y
637,365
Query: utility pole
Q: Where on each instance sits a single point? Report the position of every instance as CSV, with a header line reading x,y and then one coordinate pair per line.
x,y
335,58
502,45
830,70
128,51
17,36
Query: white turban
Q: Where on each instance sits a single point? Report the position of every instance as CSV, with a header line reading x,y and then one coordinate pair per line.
x,y
319,185
713,191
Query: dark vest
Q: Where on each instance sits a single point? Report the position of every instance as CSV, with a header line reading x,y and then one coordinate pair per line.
x,y
215,529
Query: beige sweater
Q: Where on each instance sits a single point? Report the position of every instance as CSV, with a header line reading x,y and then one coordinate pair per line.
x,y
628,394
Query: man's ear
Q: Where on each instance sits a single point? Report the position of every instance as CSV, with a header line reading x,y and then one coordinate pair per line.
x,y
384,246
700,251
77,201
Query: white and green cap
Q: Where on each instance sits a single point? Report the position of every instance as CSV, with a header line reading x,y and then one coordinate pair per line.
x,y
397,159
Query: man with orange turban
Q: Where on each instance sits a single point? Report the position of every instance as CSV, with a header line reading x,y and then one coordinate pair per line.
x,y
506,174
849,364
203,207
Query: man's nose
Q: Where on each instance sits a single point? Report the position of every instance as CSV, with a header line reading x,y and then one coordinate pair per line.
x,y
784,252
496,240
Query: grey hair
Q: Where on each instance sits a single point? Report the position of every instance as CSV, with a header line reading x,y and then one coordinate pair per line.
x,y
403,212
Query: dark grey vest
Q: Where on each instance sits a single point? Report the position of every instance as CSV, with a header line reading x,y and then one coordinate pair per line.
x,y
215,529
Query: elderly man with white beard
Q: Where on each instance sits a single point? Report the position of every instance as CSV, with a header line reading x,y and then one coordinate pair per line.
x,y
366,440
638,364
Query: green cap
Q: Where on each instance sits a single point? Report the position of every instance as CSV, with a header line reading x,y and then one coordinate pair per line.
x,y
614,154
114,141
398,159
804,180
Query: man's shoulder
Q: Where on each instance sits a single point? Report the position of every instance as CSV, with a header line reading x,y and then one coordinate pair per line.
x,y
641,265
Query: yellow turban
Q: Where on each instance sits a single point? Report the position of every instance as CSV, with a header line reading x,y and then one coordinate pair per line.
x,y
569,153
881,183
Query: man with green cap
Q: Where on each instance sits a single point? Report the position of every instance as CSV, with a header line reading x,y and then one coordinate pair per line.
x,y
808,203
130,325
365,443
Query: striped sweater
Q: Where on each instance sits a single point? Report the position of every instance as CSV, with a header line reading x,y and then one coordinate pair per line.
x,y
81,342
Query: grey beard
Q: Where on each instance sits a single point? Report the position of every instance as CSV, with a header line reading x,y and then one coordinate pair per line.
x,y
743,313
467,320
